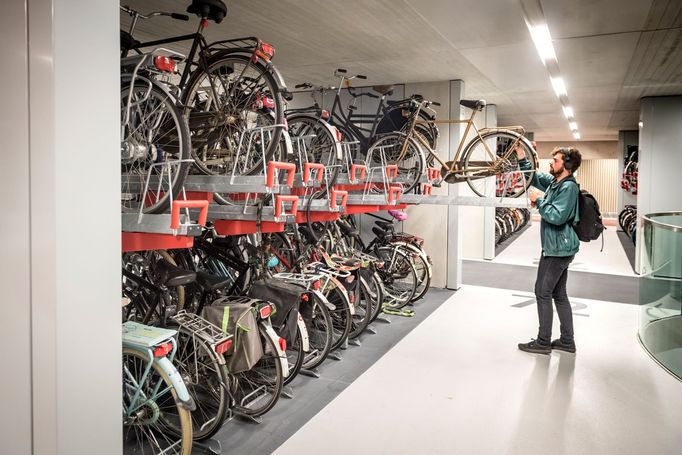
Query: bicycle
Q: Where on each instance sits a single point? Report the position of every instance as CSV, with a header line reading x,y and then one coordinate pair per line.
x,y
156,403
231,91
491,152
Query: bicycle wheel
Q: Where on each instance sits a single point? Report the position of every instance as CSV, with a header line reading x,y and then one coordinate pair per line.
x,y
389,150
295,357
153,132
398,275
319,141
159,423
363,310
341,316
319,323
494,156
257,390
230,97
205,377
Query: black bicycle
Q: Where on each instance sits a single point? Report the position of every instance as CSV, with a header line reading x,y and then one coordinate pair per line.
x,y
231,91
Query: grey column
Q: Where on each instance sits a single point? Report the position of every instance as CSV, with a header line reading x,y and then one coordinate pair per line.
x,y
454,262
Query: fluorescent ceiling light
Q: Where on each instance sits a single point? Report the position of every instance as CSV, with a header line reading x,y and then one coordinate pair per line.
x,y
543,41
573,126
576,135
559,86
568,112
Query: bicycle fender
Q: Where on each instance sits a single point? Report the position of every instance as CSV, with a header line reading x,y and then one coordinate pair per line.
x,y
270,333
327,126
305,339
181,391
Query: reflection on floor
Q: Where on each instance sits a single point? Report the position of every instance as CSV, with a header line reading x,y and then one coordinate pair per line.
x,y
458,385
525,250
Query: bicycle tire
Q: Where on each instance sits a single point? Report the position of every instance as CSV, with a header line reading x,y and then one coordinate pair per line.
x,y
216,133
258,376
207,385
476,153
320,333
155,130
182,423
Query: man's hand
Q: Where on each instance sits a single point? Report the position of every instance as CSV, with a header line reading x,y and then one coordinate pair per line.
x,y
533,194
520,154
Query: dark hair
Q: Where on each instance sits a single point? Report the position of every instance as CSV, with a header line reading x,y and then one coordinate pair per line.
x,y
572,157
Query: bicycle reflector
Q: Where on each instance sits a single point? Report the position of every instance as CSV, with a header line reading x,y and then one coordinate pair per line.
x,y
163,63
265,311
163,349
223,347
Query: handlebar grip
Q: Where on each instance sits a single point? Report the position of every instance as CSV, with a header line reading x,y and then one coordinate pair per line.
x,y
341,70
180,17
360,76
435,103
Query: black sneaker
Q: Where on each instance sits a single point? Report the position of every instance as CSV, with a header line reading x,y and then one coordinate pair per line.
x,y
535,347
558,344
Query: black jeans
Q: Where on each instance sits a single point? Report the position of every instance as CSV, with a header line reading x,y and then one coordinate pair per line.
x,y
551,284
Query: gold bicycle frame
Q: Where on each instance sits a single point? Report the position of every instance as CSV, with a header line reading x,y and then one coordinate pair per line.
x,y
453,168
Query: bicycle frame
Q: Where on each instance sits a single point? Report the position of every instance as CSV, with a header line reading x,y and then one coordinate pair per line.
x,y
453,167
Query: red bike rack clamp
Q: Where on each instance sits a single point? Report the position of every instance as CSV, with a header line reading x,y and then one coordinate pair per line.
x,y
394,193
335,195
353,172
279,204
290,168
427,189
177,205
433,173
307,167
391,169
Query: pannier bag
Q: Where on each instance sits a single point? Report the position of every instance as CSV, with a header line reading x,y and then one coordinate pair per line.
x,y
286,298
237,316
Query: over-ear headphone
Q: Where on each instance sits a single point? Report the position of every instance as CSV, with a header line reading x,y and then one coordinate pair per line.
x,y
568,164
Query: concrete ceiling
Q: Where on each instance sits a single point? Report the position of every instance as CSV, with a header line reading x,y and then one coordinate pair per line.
x,y
610,52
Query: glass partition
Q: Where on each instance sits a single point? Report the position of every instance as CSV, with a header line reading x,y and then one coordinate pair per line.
x,y
660,295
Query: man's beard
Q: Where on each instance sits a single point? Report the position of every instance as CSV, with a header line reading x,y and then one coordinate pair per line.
x,y
555,173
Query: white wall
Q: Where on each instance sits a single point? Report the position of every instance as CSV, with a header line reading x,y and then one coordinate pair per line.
x,y
61,182
660,158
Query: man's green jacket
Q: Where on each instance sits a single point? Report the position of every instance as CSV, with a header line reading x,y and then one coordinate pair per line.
x,y
558,210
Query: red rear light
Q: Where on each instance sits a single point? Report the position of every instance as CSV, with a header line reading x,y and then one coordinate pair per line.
x,y
163,63
325,114
267,49
265,311
163,349
283,344
223,347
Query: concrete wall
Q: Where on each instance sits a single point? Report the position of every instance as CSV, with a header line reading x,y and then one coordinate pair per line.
x,y
660,158
590,150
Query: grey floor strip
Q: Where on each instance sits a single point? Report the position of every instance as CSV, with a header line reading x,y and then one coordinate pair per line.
x,y
597,286
312,395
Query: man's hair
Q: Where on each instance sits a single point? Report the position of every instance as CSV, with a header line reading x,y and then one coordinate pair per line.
x,y
572,157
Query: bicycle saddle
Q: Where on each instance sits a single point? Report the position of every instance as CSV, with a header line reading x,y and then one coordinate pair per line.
x,y
172,276
383,89
473,104
128,42
384,225
209,282
214,10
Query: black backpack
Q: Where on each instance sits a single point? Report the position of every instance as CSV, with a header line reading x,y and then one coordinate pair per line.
x,y
590,226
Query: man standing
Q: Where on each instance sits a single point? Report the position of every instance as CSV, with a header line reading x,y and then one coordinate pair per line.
x,y
558,209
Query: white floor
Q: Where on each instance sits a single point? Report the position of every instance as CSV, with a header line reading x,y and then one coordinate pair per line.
x,y
458,385
525,250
